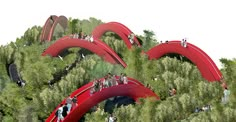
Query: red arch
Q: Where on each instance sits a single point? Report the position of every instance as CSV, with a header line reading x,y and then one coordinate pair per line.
x,y
67,42
133,89
126,31
102,28
203,62
49,26
62,20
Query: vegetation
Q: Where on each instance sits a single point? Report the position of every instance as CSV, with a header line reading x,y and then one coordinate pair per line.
x,y
37,100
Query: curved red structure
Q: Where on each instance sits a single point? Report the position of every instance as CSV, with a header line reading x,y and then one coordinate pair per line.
x,y
126,31
133,89
47,27
62,20
102,28
203,62
67,42
50,25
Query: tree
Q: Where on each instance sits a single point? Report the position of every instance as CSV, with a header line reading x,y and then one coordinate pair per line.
x,y
148,40
36,75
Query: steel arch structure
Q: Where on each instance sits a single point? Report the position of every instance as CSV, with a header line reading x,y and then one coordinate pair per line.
x,y
119,30
67,42
133,89
126,31
50,25
47,27
204,63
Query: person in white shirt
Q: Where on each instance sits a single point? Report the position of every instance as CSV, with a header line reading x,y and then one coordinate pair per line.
x,y
131,38
59,114
226,95
91,39
182,42
185,43
125,79
69,104
112,118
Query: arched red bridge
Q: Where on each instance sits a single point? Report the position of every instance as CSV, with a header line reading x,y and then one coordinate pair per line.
x,y
119,29
203,62
126,31
100,49
50,25
133,89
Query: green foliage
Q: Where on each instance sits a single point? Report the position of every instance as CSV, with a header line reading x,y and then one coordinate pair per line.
x,y
7,119
58,32
116,43
229,69
98,116
148,40
102,68
37,75
85,26
31,36
134,60
12,99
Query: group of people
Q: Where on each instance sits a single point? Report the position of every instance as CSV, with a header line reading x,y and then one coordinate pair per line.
x,y
108,81
65,109
98,85
183,42
81,35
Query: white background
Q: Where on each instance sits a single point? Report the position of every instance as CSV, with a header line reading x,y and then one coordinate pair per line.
x,y
209,24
